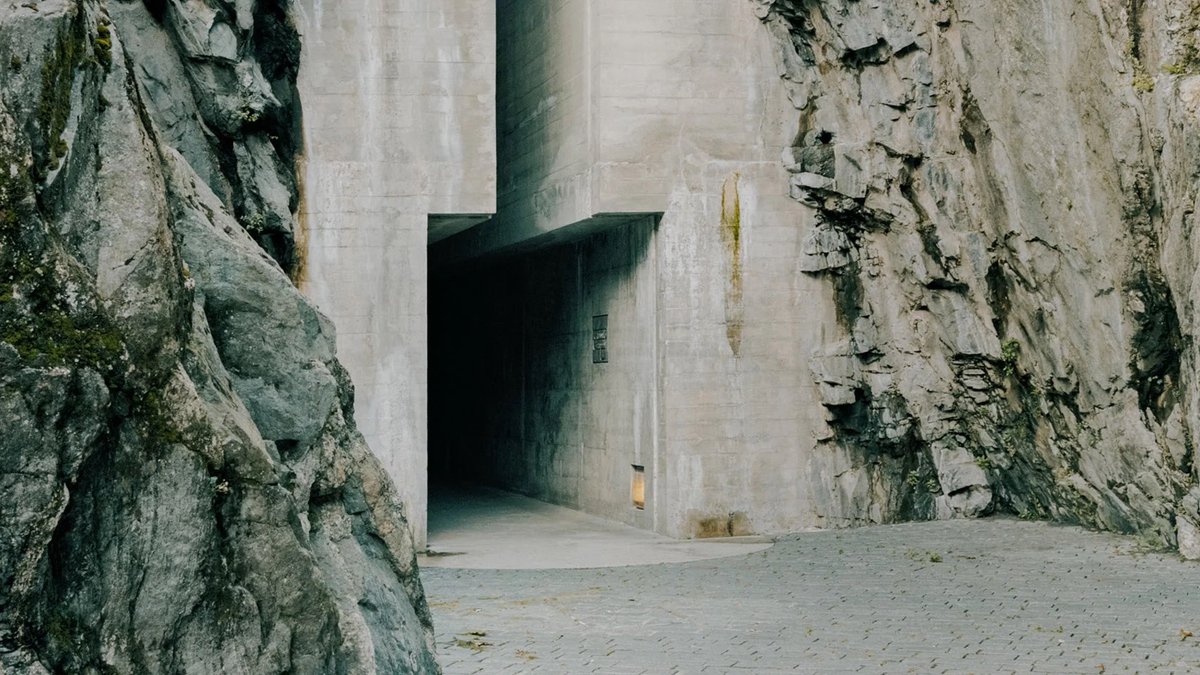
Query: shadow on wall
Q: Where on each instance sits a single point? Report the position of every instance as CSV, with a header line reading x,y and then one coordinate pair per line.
x,y
516,401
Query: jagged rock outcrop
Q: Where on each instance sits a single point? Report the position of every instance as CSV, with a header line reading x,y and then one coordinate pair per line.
x,y
1005,193
182,488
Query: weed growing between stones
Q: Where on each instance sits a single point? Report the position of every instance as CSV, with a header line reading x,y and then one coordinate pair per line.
x,y
923,556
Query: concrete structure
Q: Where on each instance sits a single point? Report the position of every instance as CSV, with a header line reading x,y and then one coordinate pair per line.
x,y
640,180
640,184
399,118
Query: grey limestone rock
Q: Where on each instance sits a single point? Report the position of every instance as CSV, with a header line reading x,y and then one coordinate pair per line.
x,y
182,488
1007,189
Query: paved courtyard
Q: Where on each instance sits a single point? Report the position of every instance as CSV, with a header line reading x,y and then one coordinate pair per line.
x,y
992,596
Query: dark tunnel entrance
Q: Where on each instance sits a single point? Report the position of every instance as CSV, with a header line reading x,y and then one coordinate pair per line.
x,y
542,377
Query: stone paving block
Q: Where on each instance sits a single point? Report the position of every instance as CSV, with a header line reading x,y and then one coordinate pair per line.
x,y
1010,597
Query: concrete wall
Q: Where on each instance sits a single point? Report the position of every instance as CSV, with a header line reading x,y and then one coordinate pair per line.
x,y
695,86
740,413
399,124
544,113
674,82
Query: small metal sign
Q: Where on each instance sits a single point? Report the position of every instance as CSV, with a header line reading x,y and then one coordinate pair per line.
x,y
600,339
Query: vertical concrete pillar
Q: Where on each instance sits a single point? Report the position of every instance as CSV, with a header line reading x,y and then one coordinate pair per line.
x,y
399,124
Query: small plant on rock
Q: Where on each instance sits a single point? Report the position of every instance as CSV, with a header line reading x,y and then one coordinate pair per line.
x,y
248,114
1142,81
1010,352
103,44
255,222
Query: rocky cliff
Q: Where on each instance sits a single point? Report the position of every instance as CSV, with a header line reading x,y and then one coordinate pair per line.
x,y
182,488
1005,195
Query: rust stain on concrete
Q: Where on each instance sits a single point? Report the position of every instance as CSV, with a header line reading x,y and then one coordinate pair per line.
x,y
731,236
299,271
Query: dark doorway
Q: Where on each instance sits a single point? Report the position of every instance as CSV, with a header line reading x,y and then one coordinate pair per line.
x,y
542,373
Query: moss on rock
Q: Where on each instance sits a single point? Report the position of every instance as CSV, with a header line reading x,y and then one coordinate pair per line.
x,y
58,78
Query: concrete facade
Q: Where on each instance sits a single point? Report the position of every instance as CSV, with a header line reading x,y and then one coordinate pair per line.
x,y
609,111
601,105
631,153
399,119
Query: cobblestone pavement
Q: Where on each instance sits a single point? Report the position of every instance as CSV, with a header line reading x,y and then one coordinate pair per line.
x,y
993,596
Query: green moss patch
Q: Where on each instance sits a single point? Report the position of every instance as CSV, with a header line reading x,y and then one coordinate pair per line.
x,y
37,315
58,78
37,318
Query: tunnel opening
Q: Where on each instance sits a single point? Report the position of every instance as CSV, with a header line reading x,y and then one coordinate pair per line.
x,y
543,378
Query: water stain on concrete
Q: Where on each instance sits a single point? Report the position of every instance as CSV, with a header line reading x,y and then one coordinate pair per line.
x,y
736,524
731,237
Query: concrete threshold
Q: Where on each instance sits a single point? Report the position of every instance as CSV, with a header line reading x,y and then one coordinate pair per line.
x,y
484,528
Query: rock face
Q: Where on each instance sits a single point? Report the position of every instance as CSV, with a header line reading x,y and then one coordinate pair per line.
x,y
1006,196
182,488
